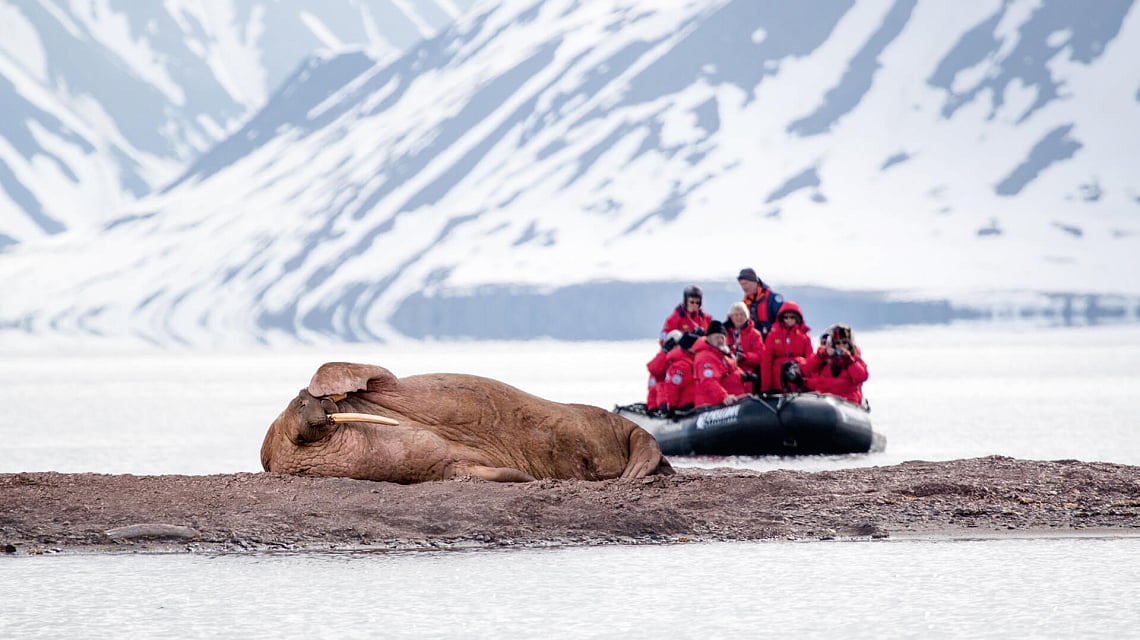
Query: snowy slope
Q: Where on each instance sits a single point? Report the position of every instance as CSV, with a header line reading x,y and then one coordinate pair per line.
x,y
924,149
104,100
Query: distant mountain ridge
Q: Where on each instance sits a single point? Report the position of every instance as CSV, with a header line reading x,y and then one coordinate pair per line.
x,y
923,150
105,101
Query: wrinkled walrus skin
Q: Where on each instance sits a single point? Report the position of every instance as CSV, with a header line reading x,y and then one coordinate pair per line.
x,y
450,425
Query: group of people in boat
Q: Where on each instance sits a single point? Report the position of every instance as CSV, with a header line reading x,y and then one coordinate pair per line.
x,y
762,347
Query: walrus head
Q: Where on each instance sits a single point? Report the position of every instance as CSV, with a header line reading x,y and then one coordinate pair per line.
x,y
319,414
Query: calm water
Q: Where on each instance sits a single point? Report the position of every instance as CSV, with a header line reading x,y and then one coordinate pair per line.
x,y
936,393
965,589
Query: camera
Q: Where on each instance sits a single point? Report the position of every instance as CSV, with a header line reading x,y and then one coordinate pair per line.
x,y
791,377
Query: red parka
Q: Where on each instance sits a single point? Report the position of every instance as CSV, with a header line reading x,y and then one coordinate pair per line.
x,y
716,373
679,389
685,322
747,346
656,368
841,376
784,346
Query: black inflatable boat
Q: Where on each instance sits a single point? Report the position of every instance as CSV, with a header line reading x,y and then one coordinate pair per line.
x,y
783,425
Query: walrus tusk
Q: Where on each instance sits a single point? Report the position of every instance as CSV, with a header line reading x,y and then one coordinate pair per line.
x,y
361,417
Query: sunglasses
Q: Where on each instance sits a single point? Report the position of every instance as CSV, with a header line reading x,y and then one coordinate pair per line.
x,y
693,301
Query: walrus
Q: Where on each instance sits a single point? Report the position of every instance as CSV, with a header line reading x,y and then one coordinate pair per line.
x,y
361,421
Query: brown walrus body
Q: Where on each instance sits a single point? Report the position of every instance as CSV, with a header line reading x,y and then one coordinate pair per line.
x,y
449,425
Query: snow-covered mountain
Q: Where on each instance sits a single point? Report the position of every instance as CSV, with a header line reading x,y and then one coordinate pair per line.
x,y
541,160
104,100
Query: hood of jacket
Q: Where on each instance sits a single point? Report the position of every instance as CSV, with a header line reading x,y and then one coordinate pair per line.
x,y
791,306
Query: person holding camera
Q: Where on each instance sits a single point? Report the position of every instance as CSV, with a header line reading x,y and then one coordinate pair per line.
x,y
789,341
657,367
745,343
678,389
837,366
719,379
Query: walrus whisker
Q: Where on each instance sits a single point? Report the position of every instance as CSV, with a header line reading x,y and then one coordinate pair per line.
x,y
361,417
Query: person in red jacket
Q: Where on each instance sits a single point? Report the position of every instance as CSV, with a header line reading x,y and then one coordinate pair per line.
x,y
657,368
746,343
687,317
718,377
788,341
837,366
679,388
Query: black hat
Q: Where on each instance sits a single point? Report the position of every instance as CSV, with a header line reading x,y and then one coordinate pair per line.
x,y
715,327
748,274
687,341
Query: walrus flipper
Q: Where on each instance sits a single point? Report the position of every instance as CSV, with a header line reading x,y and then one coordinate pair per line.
x,y
493,474
645,456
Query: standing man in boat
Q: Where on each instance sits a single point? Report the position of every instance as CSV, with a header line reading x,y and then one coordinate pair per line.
x,y
788,341
687,317
763,303
719,379
837,366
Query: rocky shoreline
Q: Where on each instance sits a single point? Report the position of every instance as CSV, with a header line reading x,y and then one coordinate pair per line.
x,y
45,512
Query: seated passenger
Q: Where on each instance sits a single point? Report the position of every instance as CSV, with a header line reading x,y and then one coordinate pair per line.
x,y
718,376
746,344
679,388
788,341
837,366
687,317
657,368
